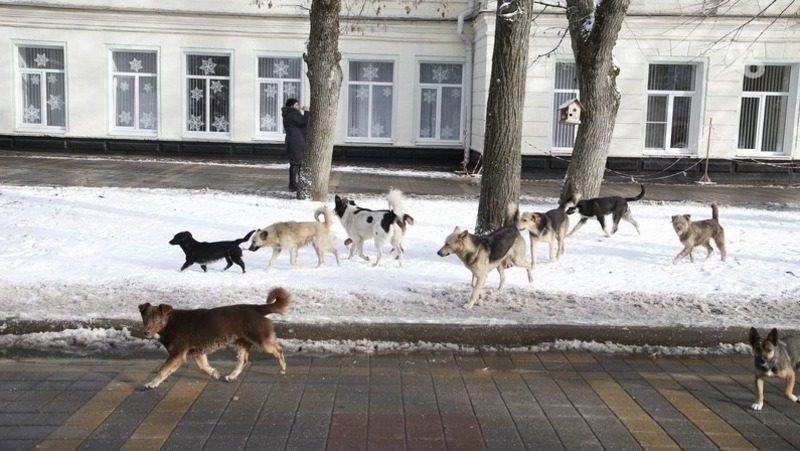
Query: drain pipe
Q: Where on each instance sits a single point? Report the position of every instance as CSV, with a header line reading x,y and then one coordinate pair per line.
x,y
469,12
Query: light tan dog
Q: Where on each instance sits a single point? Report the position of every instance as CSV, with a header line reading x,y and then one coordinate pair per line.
x,y
699,233
550,226
292,235
498,250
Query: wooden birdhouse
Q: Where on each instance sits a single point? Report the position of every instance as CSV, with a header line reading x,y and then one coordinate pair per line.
x,y
570,112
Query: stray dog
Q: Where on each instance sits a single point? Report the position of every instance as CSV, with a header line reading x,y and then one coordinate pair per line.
x,y
699,233
599,207
293,235
499,250
203,253
202,331
774,357
550,226
383,226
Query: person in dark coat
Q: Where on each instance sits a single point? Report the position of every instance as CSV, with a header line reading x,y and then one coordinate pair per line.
x,y
295,120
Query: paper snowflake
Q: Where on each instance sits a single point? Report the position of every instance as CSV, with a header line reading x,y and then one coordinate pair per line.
x,y
289,89
55,102
425,133
271,91
195,123
354,131
123,86
52,79
41,60
220,124
362,93
136,65
377,130
148,88
387,92
456,94
429,96
440,74
30,114
147,120
370,72
125,118
268,123
446,132
34,79
216,87
197,94
207,66
280,69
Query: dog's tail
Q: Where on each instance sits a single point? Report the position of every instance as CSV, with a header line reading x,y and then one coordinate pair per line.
x,y
277,301
395,199
641,195
714,211
246,237
323,210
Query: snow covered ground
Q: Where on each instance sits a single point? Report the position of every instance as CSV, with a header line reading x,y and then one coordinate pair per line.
x,y
80,253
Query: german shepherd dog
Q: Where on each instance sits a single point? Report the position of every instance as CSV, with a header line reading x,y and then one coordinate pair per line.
x,y
550,226
600,207
499,250
293,235
200,332
699,233
203,253
774,357
384,226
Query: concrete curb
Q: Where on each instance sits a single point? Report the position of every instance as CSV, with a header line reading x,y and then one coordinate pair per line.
x,y
504,336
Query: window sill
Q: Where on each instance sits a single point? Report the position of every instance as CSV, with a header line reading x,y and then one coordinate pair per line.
x,y
274,137
437,143
207,136
766,155
380,141
42,130
133,133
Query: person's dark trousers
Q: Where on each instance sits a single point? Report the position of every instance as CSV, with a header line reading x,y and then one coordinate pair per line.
x,y
294,174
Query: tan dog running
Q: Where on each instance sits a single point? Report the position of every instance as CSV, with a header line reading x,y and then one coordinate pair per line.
x,y
202,331
699,233
292,235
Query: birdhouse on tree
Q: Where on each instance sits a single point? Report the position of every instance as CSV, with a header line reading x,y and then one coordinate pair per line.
x,y
570,112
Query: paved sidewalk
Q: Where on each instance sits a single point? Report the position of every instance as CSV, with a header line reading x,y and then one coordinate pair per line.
x,y
430,401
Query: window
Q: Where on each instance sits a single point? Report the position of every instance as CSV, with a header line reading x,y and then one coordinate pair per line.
x,y
208,85
42,92
670,101
566,89
762,120
440,102
278,80
370,92
135,96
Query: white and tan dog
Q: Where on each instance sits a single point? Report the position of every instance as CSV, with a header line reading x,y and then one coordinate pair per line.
x,y
292,235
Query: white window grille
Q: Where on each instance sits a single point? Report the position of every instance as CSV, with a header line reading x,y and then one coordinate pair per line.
x,y
135,91
42,88
279,79
762,120
208,83
671,96
566,88
440,102
370,99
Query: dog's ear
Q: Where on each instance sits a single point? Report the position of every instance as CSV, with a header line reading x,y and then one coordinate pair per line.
x,y
143,307
165,309
773,336
688,217
457,230
263,234
463,235
754,337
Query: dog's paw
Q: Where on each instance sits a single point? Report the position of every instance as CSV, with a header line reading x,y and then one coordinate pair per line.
x,y
757,406
230,378
793,398
151,386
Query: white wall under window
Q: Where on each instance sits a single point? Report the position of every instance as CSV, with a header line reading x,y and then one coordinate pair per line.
x,y
765,109
134,92
41,88
440,102
279,79
208,95
370,101
672,117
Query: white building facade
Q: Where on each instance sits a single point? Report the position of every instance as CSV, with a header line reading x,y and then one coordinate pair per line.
x,y
697,78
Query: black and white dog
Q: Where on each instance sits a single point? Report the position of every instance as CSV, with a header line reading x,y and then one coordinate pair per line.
x,y
384,226
202,253
600,207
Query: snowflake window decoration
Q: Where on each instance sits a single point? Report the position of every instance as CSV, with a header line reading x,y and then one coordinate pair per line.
x,y
429,96
30,114
216,87
35,79
123,86
125,118
135,64
220,124
147,120
148,88
280,69
425,133
271,91
362,93
195,123
440,74
55,102
370,72
456,94
197,94
377,130
268,123
354,131
41,60
207,66
52,79
289,89
446,132
387,92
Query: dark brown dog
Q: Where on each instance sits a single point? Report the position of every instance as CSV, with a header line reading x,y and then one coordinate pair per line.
x,y
202,331
699,233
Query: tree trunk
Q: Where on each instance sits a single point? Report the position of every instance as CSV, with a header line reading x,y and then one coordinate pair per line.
x,y
502,154
594,34
325,78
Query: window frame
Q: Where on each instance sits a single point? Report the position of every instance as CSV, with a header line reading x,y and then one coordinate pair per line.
x,y
576,95
695,112
419,86
280,134
115,130
368,139
18,72
207,135
791,113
